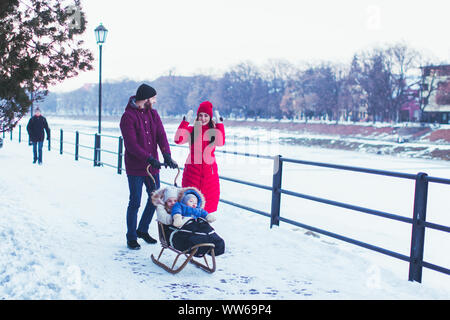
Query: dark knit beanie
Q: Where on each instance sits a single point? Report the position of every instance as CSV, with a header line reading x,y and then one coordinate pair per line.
x,y
144,92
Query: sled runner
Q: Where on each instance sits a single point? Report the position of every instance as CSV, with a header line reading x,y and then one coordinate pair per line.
x,y
189,254
198,250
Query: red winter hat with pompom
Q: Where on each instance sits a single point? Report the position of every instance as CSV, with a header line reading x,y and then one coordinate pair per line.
x,y
206,107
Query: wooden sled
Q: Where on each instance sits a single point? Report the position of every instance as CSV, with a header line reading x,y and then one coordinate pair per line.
x,y
189,255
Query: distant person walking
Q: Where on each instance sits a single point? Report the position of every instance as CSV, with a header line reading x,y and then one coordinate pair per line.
x,y
142,132
35,128
200,170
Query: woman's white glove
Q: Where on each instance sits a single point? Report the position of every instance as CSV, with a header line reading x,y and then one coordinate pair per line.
x,y
177,220
211,217
188,116
219,119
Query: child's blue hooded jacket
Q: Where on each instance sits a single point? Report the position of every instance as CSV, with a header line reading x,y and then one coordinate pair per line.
x,y
185,211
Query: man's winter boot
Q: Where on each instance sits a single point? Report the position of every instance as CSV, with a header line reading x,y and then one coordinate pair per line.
x,y
146,237
133,245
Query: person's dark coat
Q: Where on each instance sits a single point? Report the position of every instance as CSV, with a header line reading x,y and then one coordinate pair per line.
x,y
36,127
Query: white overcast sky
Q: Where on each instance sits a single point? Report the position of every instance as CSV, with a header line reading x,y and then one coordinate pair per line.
x,y
146,38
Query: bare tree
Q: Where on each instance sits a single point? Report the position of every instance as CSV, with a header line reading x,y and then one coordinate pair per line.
x,y
401,60
387,77
298,99
201,88
352,97
427,87
277,74
237,88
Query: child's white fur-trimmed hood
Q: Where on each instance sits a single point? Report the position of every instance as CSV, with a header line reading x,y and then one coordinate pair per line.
x,y
158,195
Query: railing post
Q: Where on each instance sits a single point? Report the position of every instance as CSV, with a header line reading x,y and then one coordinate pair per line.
x,y
276,194
99,149
61,139
77,143
96,150
119,156
418,227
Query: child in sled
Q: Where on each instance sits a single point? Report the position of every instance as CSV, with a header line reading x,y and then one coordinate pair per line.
x,y
194,227
190,207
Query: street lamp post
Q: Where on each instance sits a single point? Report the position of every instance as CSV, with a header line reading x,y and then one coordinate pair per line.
x,y
100,36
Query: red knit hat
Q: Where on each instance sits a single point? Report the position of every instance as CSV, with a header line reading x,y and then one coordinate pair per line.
x,y
205,107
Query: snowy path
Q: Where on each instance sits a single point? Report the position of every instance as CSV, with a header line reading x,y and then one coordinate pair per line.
x,y
62,235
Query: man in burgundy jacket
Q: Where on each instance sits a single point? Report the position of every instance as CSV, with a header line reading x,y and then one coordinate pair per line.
x,y
142,133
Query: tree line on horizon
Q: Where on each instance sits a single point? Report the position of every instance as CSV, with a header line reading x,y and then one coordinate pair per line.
x,y
40,46
374,86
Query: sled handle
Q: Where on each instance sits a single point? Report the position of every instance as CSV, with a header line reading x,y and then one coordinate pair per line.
x,y
153,179
176,177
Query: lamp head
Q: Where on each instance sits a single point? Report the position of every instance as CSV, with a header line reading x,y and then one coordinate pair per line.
x,y
100,34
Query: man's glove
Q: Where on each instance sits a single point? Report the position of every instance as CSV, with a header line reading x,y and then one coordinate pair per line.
x,y
169,162
154,163
188,116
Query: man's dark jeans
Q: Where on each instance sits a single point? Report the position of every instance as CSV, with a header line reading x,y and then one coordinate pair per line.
x,y
135,183
37,151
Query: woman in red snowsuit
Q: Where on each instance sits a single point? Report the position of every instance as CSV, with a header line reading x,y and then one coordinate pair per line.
x,y
200,170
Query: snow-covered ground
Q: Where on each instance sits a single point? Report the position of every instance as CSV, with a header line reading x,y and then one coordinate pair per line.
x,y
62,229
